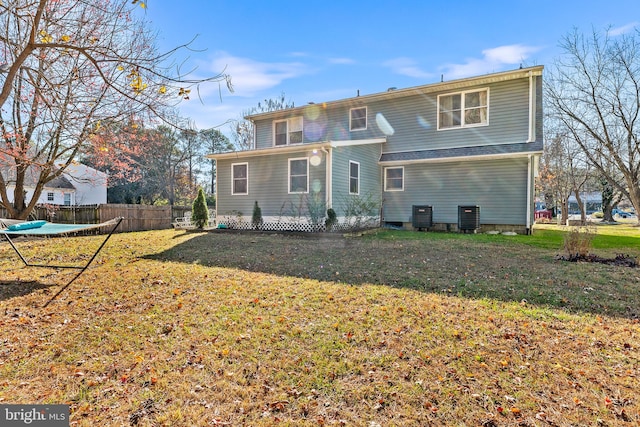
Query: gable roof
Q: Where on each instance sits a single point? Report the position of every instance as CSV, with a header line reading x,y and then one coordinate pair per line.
x,y
60,182
31,178
398,93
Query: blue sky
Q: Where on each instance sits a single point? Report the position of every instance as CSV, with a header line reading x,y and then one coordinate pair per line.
x,y
315,51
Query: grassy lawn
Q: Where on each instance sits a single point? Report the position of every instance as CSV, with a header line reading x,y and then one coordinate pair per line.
x,y
173,328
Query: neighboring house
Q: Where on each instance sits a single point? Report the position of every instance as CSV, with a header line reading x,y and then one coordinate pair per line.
x,y
443,147
78,185
592,203
90,184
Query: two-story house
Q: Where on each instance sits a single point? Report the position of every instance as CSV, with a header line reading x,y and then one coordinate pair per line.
x,y
455,151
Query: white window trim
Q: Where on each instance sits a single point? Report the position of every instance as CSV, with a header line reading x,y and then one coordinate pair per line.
x,y
385,178
358,177
366,119
233,179
289,176
51,196
288,122
462,124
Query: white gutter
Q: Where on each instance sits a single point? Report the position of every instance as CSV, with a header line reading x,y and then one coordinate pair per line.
x,y
458,158
295,148
270,151
352,142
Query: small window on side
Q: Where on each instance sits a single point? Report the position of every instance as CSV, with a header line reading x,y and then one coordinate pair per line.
x,y
354,177
358,118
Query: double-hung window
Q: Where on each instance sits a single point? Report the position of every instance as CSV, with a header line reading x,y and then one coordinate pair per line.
x,y
354,177
289,131
299,175
358,118
50,197
239,178
463,109
394,179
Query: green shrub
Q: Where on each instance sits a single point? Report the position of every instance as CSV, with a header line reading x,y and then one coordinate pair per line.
x,y
200,211
332,219
256,218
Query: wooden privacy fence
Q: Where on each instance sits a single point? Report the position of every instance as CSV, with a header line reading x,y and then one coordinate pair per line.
x,y
136,217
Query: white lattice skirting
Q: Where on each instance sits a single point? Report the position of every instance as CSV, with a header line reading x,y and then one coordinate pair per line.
x,y
299,225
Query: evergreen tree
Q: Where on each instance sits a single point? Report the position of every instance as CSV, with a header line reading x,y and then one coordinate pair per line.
x,y
256,219
200,212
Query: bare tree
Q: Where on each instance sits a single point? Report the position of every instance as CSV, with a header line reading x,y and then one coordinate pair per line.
x,y
242,129
214,141
66,67
563,172
594,91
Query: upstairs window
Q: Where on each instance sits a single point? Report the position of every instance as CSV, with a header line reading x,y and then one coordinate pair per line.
x,y
240,178
463,109
286,132
299,175
354,177
50,197
358,118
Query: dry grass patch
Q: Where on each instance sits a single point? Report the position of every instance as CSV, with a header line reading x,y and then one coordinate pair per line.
x,y
188,329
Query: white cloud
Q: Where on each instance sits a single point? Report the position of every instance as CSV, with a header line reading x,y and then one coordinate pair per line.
x,y
618,31
406,67
249,76
345,61
492,60
299,54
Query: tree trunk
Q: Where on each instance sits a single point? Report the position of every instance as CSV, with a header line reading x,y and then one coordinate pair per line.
x,y
634,195
564,207
583,214
608,214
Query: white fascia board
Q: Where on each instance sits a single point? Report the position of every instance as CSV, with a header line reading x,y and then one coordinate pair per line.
x,y
460,158
269,151
295,148
352,142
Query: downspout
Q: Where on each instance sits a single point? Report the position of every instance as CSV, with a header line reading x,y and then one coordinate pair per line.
x,y
255,137
215,191
532,108
529,192
329,172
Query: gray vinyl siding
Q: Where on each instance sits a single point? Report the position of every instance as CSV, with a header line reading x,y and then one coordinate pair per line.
x,y
413,121
370,178
268,185
499,187
416,126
